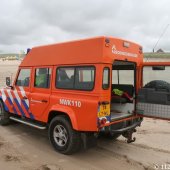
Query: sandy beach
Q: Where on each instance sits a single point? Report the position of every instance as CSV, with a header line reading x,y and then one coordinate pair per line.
x,y
25,148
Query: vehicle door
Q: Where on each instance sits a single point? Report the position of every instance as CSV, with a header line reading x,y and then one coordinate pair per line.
x,y
40,90
19,94
154,97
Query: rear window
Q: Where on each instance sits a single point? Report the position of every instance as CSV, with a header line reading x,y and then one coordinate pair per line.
x,y
65,77
106,78
84,79
77,78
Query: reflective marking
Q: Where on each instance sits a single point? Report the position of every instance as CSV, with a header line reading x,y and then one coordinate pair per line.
x,y
10,95
25,102
15,104
19,107
24,94
15,110
17,97
26,107
10,102
6,108
4,99
3,95
22,91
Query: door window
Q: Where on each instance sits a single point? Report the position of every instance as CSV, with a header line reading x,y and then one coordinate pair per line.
x,y
23,78
42,77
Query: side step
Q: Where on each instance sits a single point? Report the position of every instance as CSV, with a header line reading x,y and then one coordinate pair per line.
x,y
28,123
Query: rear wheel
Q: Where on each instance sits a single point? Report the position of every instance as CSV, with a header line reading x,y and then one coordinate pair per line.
x,y
63,137
4,116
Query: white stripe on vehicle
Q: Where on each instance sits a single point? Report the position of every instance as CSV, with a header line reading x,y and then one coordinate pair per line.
x,y
22,91
17,97
24,94
10,95
3,95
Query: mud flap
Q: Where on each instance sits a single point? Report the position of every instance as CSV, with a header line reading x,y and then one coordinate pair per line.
x,y
89,140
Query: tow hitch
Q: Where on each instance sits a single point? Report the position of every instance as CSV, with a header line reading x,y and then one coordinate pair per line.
x,y
128,131
128,135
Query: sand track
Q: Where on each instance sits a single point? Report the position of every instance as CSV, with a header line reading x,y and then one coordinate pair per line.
x,y
22,147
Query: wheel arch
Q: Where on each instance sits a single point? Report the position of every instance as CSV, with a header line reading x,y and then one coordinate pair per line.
x,y
65,111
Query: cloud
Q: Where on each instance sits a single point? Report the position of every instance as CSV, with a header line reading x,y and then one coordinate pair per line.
x,y
30,23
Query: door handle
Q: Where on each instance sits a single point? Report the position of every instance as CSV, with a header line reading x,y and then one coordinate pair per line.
x,y
44,101
24,98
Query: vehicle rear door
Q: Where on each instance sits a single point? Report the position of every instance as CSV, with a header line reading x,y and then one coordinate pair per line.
x,y
153,98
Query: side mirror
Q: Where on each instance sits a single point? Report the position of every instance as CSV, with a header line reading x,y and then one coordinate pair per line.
x,y
158,67
8,81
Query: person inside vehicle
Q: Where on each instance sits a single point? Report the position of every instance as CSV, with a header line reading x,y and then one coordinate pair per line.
x,y
63,75
42,78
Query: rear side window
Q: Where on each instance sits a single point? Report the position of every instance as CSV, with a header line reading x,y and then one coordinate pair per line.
x,y
78,78
84,79
23,78
106,78
65,77
42,77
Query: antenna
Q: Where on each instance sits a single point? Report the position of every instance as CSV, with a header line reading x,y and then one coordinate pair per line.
x,y
160,37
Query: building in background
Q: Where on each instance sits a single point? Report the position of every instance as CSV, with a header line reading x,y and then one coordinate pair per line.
x,y
160,55
12,56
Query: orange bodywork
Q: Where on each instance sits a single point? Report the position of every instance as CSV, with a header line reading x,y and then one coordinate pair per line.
x,y
99,52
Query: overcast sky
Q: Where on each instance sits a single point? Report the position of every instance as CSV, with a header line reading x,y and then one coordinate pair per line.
x,y
28,23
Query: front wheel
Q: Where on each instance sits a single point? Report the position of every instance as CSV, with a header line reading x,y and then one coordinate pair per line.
x,y
62,136
4,116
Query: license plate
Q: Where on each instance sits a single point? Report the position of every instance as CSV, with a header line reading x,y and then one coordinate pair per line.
x,y
104,110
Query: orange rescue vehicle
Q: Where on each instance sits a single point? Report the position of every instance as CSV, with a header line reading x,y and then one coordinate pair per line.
x,y
85,88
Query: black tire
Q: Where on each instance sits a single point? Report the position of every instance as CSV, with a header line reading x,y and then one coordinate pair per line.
x,y
60,144
4,116
158,85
